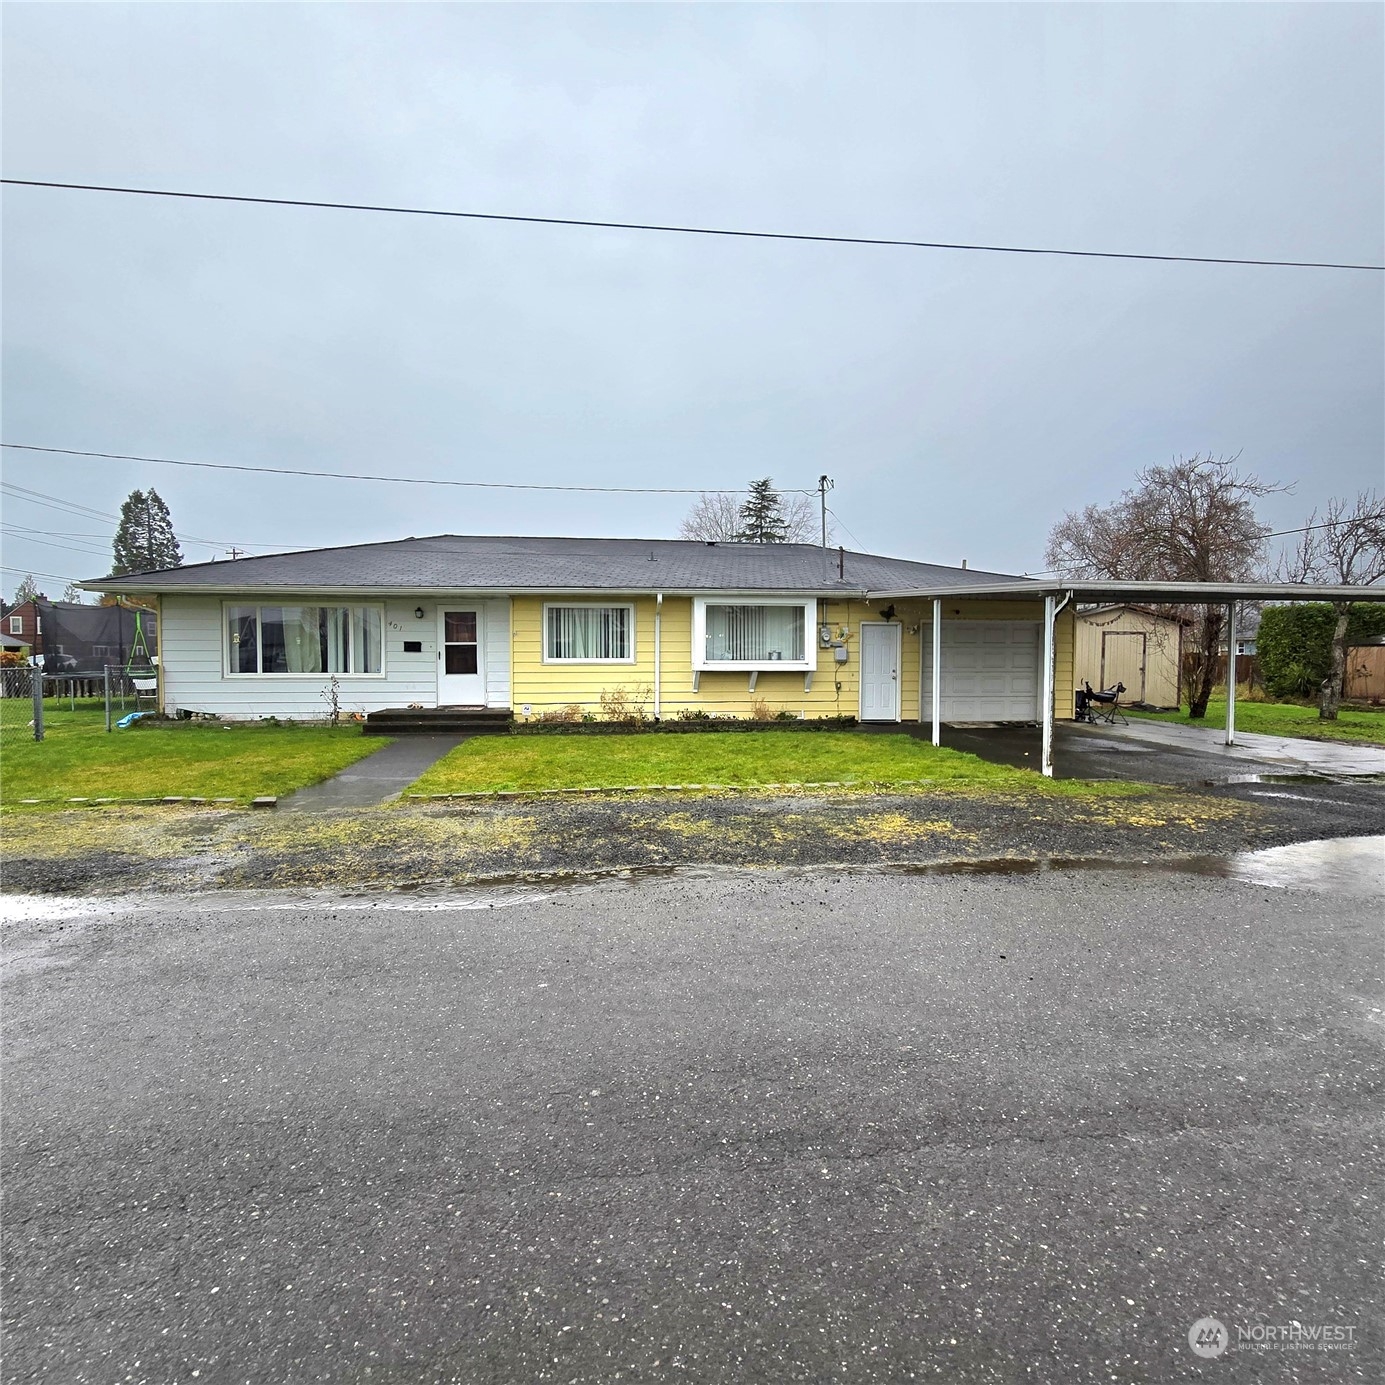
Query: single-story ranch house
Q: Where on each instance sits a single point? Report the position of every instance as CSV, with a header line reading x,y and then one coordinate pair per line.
x,y
535,625
538,624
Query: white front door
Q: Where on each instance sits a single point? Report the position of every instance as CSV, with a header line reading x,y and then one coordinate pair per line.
x,y
461,658
880,646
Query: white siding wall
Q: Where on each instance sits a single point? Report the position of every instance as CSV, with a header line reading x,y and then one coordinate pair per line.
x,y
497,653
192,660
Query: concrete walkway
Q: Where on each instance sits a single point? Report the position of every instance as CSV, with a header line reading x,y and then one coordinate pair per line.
x,y
381,776
1287,754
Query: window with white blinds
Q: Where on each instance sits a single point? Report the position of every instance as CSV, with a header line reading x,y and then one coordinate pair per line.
x,y
589,634
758,635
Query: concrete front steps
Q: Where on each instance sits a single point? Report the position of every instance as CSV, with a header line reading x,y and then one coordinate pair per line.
x,y
432,721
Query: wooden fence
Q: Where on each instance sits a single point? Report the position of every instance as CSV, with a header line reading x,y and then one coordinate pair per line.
x,y
1366,673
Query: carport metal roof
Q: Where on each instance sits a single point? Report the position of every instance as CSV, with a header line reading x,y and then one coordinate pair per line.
x,y
1087,592
1057,593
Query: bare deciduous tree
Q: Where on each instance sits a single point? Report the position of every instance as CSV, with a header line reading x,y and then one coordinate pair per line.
x,y
1345,545
1191,521
716,517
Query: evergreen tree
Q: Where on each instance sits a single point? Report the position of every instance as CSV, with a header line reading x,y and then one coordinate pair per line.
x,y
25,591
74,593
762,515
144,539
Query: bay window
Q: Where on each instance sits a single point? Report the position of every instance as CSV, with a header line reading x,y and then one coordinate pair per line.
x,y
768,635
304,639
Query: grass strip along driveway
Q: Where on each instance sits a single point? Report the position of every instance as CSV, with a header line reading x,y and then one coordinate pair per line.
x,y
1284,719
78,759
736,759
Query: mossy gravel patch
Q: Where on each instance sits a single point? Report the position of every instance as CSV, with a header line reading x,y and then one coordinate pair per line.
x,y
175,848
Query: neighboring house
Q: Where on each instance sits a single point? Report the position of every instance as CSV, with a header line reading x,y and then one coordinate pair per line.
x,y
76,638
12,644
1131,645
21,622
536,625
1247,628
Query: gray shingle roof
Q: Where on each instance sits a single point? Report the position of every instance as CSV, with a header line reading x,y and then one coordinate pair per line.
x,y
474,563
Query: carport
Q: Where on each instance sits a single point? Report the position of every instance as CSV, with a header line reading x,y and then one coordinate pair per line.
x,y
1058,595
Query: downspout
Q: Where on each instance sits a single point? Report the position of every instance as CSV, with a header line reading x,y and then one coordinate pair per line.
x,y
658,649
159,667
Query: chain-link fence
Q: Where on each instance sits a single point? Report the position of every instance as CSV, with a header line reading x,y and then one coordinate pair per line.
x,y
34,704
21,705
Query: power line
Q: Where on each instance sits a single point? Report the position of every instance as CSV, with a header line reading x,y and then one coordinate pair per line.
x,y
849,534
1275,534
397,480
57,502
87,550
683,230
29,572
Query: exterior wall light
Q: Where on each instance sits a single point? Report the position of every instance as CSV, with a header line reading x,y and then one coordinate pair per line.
x,y
418,612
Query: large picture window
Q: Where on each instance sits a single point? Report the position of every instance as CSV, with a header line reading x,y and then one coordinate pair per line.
x,y
752,635
304,639
589,634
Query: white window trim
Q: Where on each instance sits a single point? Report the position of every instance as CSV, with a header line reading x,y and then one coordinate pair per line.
x,y
702,664
228,672
586,606
16,625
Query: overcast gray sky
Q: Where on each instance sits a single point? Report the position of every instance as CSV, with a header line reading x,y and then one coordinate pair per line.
x,y
961,401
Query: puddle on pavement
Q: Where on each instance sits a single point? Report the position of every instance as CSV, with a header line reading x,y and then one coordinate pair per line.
x,y
1342,865
1347,866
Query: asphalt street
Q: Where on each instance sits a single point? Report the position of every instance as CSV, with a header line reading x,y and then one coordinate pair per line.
x,y
722,1126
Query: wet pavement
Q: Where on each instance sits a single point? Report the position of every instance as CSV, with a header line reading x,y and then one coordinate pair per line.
x,y
1158,753
1281,754
435,845
717,1127
376,779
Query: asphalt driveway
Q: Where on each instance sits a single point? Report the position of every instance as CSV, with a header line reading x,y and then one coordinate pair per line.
x,y
1162,753
767,1126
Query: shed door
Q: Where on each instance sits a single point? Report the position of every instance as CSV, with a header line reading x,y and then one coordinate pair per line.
x,y
1123,661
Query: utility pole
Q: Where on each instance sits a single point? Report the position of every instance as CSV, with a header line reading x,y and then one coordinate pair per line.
x,y
148,535
825,484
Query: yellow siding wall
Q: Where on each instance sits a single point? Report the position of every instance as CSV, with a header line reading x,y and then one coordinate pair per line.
x,y
550,687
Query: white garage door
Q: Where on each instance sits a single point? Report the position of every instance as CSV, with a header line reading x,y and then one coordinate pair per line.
x,y
990,670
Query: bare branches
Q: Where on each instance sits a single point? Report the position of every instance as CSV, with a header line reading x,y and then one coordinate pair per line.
x,y
1345,544
1191,521
716,517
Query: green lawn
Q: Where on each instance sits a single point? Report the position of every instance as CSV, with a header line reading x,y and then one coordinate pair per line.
x,y
78,759
737,758
1285,719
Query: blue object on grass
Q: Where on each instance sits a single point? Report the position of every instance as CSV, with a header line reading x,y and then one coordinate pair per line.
x,y
132,718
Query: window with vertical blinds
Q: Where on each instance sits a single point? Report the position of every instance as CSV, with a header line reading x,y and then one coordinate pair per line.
x,y
756,635
589,634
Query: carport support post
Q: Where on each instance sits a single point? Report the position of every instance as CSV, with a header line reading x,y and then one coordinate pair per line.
x,y
1231,673
1046,757
937,670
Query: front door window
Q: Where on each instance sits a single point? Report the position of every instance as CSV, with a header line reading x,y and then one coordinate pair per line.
x,y
459,647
